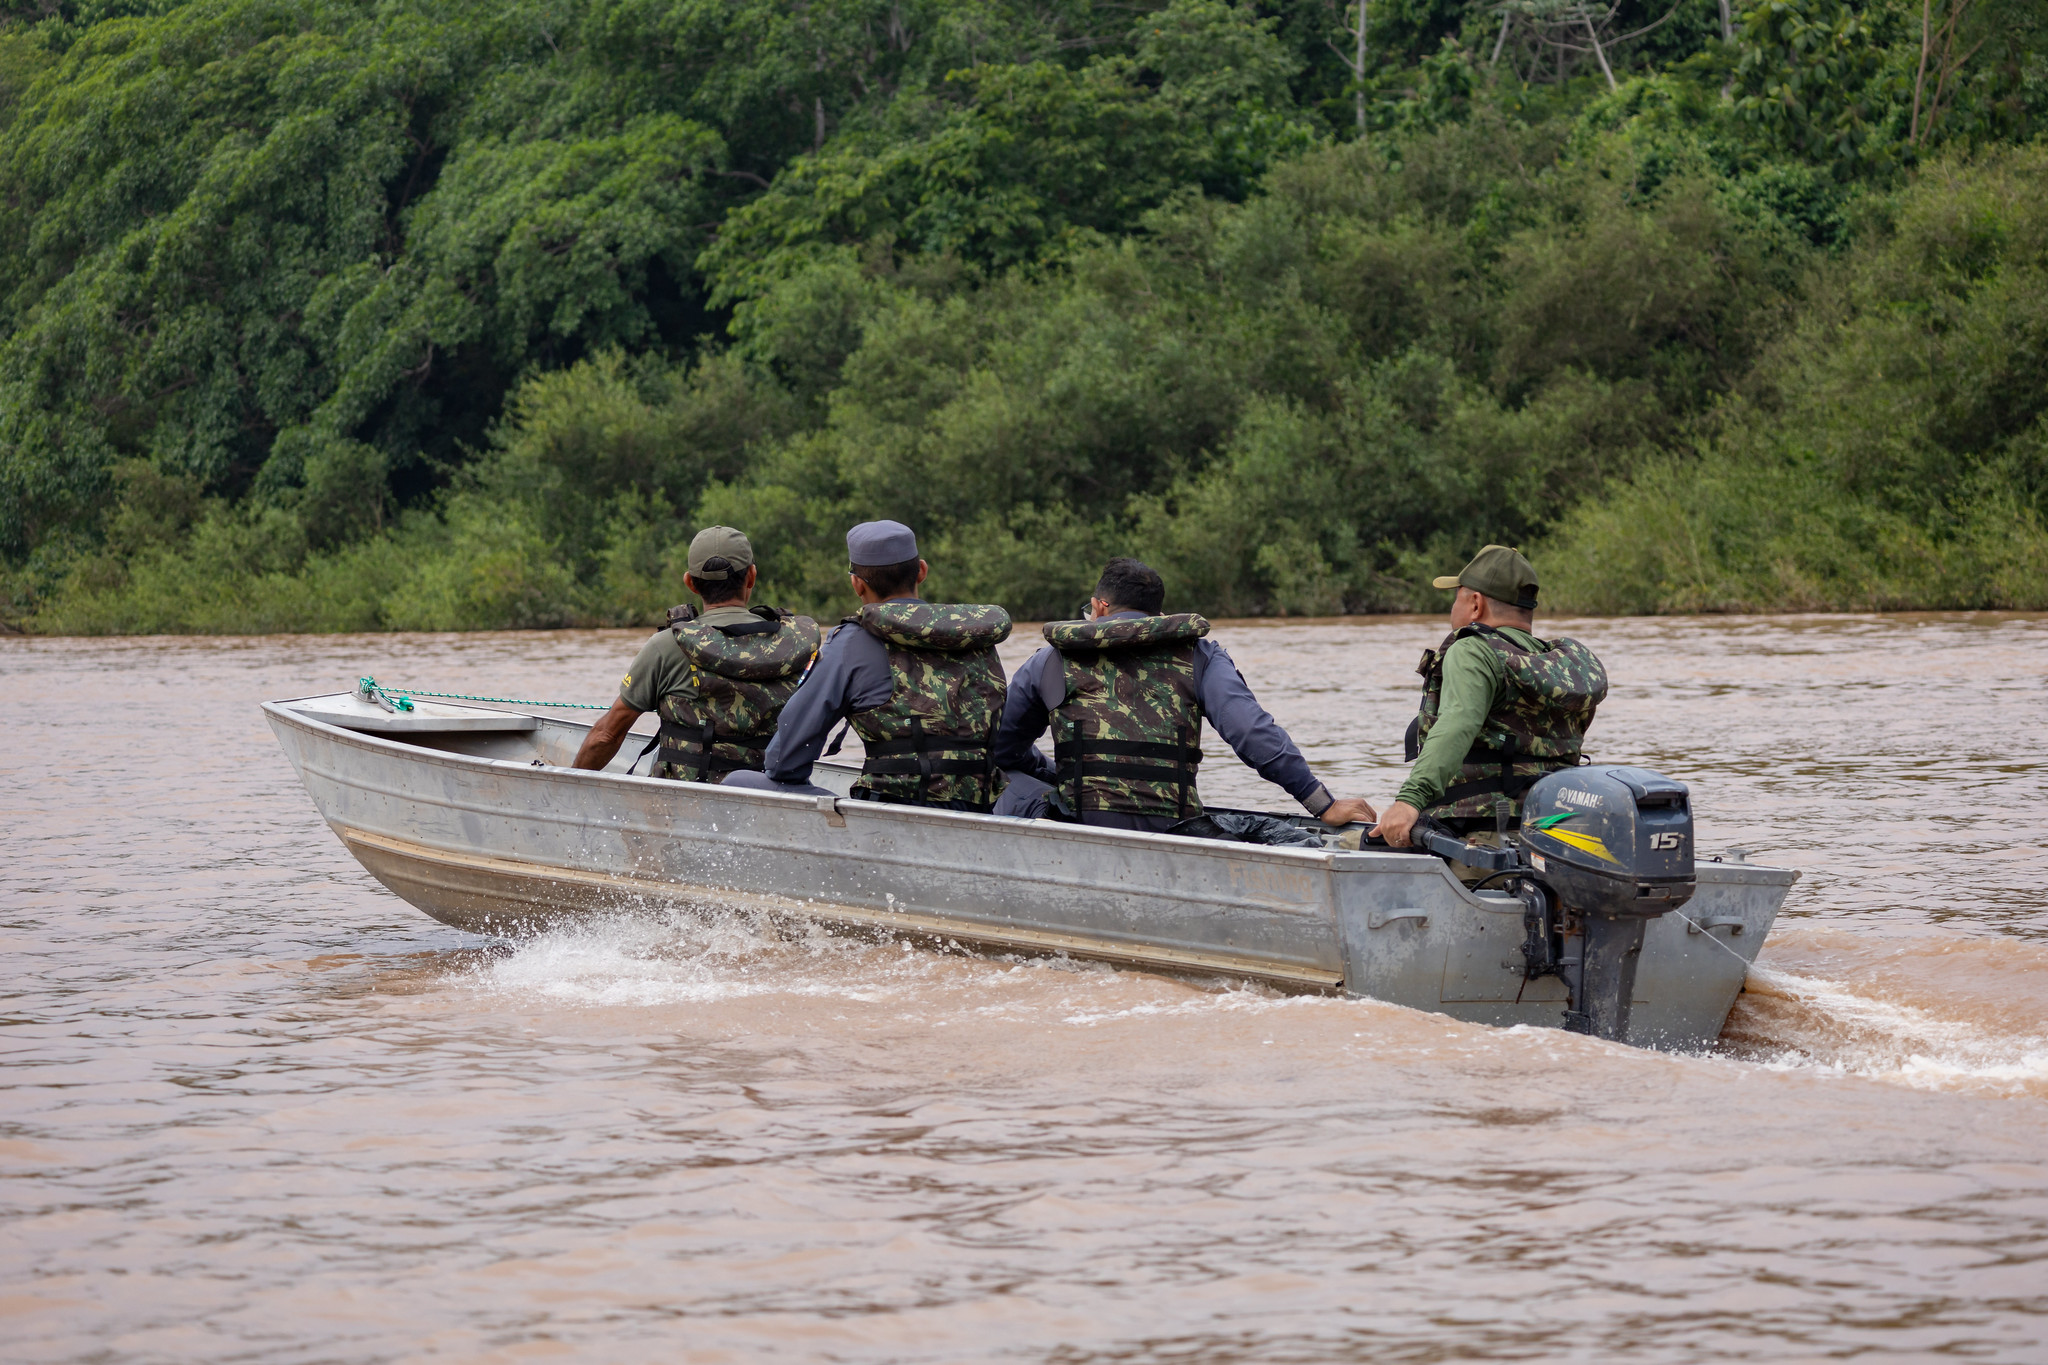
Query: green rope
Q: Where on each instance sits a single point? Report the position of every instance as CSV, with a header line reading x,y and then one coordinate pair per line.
x,y
400,699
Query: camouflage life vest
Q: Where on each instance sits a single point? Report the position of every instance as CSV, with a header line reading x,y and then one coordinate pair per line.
x,y
933,742
743,673
1536,726
1128,736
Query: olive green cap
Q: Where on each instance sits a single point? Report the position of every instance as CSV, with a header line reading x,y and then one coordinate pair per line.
x,y
1499,572
722,543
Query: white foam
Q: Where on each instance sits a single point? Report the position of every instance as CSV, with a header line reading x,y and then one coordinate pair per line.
x,y
1223,997
1841,1032
638,959
645,960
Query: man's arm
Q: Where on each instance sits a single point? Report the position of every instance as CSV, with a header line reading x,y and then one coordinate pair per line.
x,y
1259,740
601,745
1473,676
653,672
849,676
1025,716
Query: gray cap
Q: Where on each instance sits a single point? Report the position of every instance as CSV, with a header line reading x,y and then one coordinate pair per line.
x,y
876,543
720,542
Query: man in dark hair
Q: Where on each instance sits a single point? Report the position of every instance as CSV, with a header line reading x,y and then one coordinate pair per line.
x,y
720,677
1125,693
1132,585
918,682
1500,707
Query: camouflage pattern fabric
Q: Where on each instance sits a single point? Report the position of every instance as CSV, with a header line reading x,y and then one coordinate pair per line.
x,y
1537,725
744,675
934,626
933,742
1124,632
1127,737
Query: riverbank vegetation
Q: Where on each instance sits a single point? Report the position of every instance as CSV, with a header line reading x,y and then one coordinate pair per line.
x,y
335,315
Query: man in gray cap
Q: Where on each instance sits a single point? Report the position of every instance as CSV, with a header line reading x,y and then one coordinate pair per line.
x,y
1500,707
919,683
719,677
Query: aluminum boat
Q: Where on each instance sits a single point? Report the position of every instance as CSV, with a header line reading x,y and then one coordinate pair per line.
x,y
473,815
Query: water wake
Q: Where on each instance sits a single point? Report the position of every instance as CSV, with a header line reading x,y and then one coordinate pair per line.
x,y
1986,1040
1789,1021
638,958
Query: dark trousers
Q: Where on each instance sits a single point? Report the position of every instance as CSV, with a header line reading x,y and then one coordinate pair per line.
x,y
1027,798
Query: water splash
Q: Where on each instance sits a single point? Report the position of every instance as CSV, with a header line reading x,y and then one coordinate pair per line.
x,y
1792,1022
644,957
645,960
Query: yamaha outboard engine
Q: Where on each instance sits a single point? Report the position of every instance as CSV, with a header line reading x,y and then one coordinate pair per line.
x,y
1602,851
1611,850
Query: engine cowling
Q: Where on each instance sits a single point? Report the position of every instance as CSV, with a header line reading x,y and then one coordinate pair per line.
x,y
1611,840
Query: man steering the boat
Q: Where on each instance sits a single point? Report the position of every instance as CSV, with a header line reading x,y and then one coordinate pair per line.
x,y
1500,707
918,682
720,677
1125,693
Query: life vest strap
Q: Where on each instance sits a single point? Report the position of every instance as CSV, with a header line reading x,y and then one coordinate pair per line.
x,y
755,627
695,748
1483,754
1079,757
1510,785
692,742
922,743
1066,750
921,755
924,766
1137,772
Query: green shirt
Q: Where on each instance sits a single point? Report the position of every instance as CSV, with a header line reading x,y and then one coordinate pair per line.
x,y
661,669
1474,678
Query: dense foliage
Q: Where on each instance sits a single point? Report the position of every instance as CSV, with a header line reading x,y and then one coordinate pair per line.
x,y
342,314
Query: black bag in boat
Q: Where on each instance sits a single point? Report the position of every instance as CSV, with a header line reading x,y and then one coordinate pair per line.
x,y
1244,827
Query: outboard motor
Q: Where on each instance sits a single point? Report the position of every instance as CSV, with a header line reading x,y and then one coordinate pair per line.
x,y
1602,851
1611,849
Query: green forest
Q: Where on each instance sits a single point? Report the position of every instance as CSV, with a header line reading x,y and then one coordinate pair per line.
x,y
322,315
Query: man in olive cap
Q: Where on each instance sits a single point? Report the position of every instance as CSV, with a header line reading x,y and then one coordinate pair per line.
x,y
1500,707
720,677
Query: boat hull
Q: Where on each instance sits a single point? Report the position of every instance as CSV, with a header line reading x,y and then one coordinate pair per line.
x,y
486,831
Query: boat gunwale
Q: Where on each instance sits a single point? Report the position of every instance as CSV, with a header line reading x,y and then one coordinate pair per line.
x,y
1327,859
1322,857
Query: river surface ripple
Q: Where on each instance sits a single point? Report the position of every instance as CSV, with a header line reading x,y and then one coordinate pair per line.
x,y
256,1108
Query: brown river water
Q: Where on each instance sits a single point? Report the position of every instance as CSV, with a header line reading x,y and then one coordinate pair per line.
x,y
255,1108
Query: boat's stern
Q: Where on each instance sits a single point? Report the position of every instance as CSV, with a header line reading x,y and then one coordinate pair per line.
x,y
1425,941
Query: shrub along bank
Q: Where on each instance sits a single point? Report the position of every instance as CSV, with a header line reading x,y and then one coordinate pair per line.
x,y
331,317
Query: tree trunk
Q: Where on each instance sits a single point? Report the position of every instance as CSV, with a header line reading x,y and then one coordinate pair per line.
x,y
1605,69
1920,77
1358,67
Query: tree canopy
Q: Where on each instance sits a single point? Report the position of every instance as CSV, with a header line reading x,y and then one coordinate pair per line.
x,y
335,314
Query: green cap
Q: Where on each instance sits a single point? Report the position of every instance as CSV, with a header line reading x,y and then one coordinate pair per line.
x,y
724,544
1499,572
